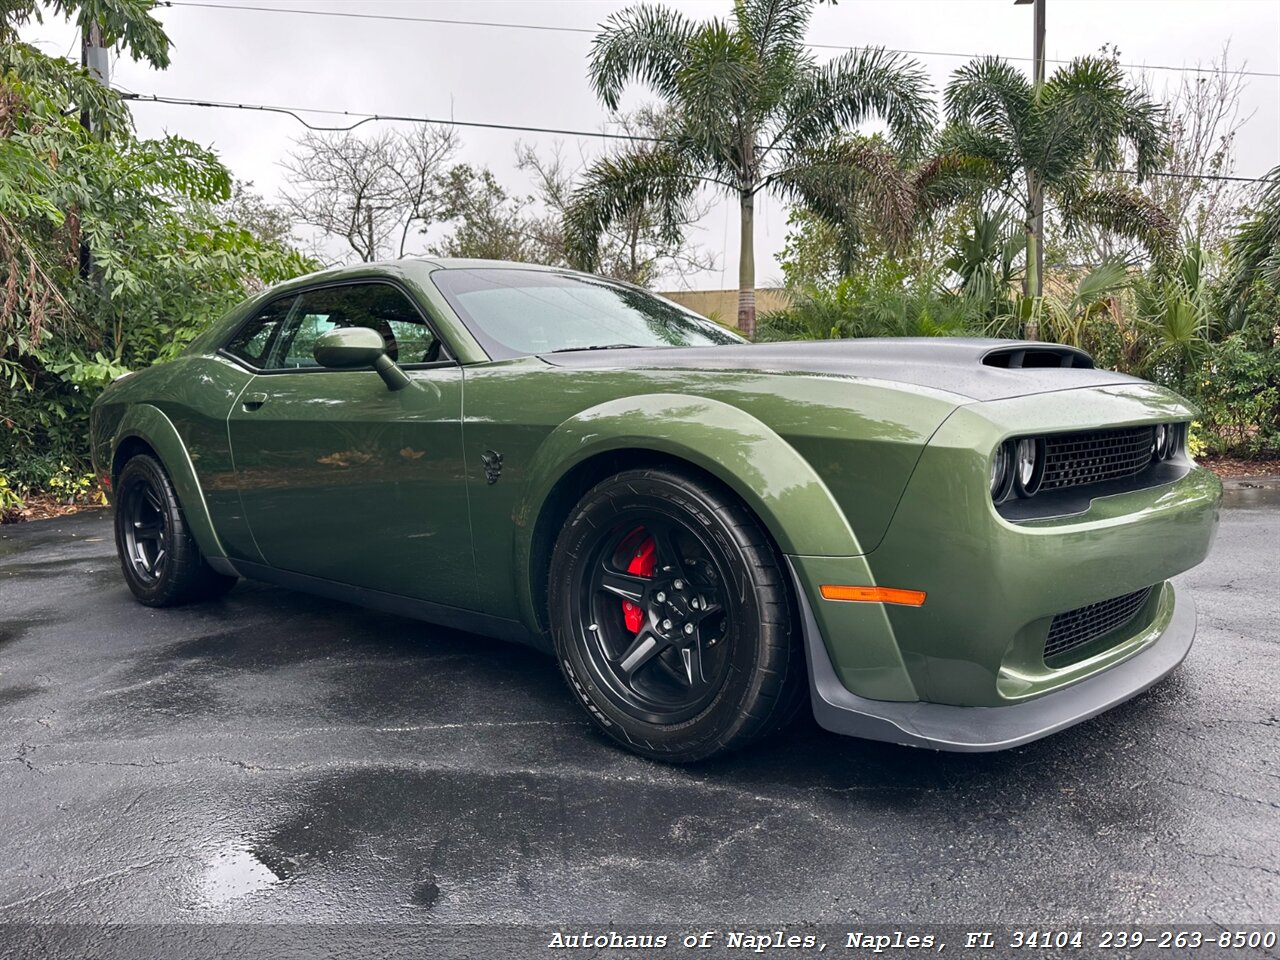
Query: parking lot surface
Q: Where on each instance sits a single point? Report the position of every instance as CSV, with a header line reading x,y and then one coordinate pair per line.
x,y
278,757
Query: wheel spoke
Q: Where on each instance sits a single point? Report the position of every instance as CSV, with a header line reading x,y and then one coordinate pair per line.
x,y
708,604
692,657
670,563
646,645
146,531
152,498
628,586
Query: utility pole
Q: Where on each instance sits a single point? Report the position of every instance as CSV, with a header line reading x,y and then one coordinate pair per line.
x,y
94,58
1035,190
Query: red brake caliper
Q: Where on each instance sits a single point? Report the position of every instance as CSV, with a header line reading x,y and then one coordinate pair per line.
x,y
641,564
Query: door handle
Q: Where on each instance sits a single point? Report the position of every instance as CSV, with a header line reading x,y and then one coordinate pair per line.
x,y
252,401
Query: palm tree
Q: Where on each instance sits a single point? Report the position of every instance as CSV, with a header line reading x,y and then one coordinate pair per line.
x,y
1255,248
751,110
1047,142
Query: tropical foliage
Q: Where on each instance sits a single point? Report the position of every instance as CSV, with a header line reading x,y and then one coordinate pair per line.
x,y
750,110
114,251
1045,144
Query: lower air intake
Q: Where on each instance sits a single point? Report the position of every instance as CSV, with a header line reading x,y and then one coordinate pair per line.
x,y
1075,628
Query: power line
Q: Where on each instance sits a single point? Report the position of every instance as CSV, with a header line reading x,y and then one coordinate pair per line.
x,y
550,28
370,117
519,128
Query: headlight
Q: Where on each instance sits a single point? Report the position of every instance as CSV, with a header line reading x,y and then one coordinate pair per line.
x,y
1000,473
1160,444
1029,469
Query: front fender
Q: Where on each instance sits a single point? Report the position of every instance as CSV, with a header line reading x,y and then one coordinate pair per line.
x,y
764,470
150,425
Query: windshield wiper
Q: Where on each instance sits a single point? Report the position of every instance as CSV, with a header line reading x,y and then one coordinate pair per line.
x,y
600,346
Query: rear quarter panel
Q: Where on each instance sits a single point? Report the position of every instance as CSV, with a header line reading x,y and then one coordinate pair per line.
x,y
192,396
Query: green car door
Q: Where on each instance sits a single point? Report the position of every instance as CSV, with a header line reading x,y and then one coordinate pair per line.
x,y
340,477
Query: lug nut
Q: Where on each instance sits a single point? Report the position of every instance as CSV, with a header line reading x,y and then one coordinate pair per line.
x,y
679,584
661,597
695,603
666,624
688,628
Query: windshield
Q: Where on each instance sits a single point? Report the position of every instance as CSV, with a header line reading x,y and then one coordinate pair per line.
x,y
515,313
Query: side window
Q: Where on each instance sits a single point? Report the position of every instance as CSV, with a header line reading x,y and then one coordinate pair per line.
x,y
378,306
254,340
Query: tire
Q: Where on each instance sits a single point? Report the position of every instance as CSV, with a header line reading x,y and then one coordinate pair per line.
x,y
162,564
673,617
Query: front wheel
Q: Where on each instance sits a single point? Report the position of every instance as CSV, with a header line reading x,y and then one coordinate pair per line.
x,y
162,564
672,617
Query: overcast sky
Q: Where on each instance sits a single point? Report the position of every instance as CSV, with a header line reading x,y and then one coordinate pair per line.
x,y
537,78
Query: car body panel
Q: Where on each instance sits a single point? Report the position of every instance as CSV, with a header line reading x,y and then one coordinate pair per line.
x,y
867,462
343,479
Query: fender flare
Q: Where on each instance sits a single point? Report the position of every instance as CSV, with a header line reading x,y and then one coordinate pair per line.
x,y
150,425
765,471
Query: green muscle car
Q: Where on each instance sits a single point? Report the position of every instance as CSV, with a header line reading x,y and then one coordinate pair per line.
x,y
954,543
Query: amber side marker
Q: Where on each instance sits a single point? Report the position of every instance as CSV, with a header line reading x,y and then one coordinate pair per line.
x,y
910,598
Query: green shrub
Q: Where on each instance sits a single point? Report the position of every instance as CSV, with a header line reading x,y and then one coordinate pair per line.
x,y
1238,389
10,501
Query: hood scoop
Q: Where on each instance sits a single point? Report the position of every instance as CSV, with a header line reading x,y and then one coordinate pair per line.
x,y
1038,355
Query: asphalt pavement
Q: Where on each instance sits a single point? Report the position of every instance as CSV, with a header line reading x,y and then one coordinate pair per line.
x,y
277,757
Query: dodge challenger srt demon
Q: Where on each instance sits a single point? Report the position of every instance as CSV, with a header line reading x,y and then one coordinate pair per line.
x,y
961,544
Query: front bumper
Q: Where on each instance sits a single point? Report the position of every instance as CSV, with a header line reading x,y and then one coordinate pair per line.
x,y
967,670
942,726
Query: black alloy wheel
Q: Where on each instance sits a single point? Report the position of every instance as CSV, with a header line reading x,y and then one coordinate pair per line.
x,y
161,561
145,528
670,668
672,616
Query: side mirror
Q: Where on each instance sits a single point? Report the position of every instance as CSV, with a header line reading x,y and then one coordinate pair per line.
x,y
351,348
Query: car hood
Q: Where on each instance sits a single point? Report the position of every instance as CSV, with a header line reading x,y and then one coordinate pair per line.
x,y
979,369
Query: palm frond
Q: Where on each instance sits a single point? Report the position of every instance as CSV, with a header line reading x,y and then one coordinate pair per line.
x,y
1090,102
990,93
1127,213
658,181
852,181
856,87
775,28
1255,248
646,43
1102,281
950,177
715,86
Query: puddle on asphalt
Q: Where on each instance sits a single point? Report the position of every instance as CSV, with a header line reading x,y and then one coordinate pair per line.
x,y
1252,494
236,873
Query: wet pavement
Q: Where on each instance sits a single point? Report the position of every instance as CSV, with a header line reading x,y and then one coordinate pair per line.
x,y
273,756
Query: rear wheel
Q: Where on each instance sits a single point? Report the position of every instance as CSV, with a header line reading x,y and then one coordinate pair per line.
x,y
162,564
672,617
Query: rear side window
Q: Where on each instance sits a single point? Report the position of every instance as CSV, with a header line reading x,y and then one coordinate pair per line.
x,y
254,340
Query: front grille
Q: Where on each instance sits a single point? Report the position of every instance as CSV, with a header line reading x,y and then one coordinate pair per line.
x,y
1077,627
1073,459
